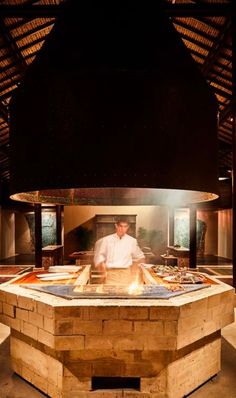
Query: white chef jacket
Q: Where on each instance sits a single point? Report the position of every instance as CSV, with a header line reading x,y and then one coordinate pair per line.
x,y
117,252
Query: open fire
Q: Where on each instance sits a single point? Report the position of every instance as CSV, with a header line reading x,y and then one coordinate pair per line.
x,y
135,288
143,285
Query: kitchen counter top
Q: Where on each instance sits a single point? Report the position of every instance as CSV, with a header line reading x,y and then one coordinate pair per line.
x,y
160,341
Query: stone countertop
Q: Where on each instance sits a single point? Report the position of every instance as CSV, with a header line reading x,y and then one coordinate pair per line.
x,y
56,343
218,288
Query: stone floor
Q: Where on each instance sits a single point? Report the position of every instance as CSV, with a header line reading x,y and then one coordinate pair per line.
x,y
222,385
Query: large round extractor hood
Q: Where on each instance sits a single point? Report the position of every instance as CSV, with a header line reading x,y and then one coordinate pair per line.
x,y
113,110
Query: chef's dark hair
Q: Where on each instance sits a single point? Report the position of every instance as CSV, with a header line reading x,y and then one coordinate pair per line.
x,y
123,218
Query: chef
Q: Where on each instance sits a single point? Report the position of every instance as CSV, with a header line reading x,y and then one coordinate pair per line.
x,y
118,254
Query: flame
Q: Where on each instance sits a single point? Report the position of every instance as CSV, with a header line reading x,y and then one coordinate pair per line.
x,y
135,288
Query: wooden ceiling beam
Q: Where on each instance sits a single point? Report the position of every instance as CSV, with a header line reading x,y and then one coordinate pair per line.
x,y
197,31
221,93
209,23
23,48
3,123
192,29
222,68
12,65
225,130
11,44
172,10
227,112
7,95
216,47
225,85
11,76
4,112
4,138
18,24
195,41
225,136
37,29
10,84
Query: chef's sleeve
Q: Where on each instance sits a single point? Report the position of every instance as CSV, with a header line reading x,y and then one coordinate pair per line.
x,y
137,253
100,252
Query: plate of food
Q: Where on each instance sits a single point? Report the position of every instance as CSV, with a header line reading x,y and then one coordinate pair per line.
x,y
56,277
187,278
163,274
147,266
42,276
65,268
164,270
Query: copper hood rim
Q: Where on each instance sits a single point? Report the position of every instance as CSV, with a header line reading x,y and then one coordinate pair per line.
x,y
115,196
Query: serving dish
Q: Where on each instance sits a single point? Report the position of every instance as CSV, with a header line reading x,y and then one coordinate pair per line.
x,y
65,268
147,266
187,278
55,277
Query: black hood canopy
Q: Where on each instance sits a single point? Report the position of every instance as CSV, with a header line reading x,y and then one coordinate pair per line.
x,y
113,110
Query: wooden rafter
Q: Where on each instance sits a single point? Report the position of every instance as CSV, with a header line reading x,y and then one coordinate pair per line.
x,y
11,44
4,112
217,47
227,112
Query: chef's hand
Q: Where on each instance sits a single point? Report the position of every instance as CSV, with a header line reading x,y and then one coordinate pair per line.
x,y
102,268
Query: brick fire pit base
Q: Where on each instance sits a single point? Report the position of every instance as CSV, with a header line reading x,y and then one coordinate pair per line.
x,y
150,348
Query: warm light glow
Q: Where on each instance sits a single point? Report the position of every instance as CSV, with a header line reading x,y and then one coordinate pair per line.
x,y
135,288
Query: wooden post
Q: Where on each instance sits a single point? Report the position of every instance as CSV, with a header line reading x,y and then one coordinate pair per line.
x,y
58,223
38,235
234,142
171,213
193,237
